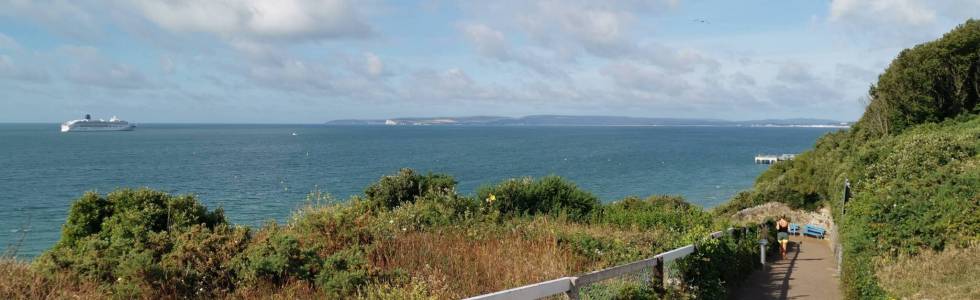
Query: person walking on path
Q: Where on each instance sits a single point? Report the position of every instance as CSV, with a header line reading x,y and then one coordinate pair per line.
x,y
782,235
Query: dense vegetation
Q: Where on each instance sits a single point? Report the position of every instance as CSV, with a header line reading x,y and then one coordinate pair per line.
x,y
410,236
913,159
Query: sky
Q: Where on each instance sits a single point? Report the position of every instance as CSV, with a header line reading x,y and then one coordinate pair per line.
x,y
305,61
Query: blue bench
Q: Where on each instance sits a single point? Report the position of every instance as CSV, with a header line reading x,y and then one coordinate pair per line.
x,y
814,230
794,229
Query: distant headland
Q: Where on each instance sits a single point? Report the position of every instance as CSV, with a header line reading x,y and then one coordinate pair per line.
x,y
566,120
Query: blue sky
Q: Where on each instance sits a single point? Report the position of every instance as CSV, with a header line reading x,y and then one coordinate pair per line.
x,y
305,61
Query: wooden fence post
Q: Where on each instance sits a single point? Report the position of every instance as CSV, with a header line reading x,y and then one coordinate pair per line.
x,y
572,293
658,272
762,252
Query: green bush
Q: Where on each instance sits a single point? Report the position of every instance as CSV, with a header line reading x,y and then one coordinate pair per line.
x,y
103,233
719,264
276,256
666,212
344,272
201,260
405,186
433,210
548,195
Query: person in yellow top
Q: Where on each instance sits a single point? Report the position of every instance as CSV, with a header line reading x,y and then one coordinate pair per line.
x,y
782,235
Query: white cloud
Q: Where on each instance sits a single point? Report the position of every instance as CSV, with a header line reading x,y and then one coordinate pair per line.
x,y
89,67
795,72
488,41
905,11
646,79
449,85
560,33
492,43
899,23
798,88
7,42
597,27
69,18
273,20
292,74
742,79
11,70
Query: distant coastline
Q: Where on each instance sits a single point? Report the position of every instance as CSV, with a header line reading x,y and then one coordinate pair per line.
x,y
565,120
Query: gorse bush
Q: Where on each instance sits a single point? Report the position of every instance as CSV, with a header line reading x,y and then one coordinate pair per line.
x,y
141,242
201,259
276,256
110,226
405,186
551,194
668,212
137,239
132,215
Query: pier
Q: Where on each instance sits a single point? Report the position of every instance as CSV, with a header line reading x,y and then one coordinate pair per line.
x,y
768,159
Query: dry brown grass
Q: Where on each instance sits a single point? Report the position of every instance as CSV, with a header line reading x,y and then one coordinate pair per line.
x,y
951,274
456,265
19,281
467,261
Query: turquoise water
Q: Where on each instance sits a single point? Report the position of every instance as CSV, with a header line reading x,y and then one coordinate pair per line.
x,y
262,172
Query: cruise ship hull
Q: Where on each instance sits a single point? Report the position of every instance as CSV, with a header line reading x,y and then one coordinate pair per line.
x,y
69,128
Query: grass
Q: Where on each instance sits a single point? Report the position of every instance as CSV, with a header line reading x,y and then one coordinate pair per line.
x,y
457,265
19,281
949,274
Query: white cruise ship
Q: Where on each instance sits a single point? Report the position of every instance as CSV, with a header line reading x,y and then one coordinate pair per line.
x,y
87,124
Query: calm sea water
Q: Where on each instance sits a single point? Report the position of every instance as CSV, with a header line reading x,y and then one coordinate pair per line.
x,y
262,172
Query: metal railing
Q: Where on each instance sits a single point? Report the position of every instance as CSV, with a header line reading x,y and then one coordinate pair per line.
x,y
571,286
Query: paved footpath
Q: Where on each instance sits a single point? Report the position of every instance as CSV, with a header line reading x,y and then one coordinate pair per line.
x,y
808,272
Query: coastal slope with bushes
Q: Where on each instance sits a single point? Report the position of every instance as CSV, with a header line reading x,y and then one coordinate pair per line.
x,y
912,226
409,236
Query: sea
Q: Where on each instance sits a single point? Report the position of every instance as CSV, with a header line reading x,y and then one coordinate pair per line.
x,y
258,173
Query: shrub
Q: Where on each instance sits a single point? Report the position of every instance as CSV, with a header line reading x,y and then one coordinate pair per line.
x,y
276,256
668,212
405,186
551,194
432,210
201,260
124,233
344,272
719,264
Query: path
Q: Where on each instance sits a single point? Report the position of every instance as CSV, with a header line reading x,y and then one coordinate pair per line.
x,y
810,273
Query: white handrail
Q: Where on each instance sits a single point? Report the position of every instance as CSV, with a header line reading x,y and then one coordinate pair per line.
x,y
567,284
531,291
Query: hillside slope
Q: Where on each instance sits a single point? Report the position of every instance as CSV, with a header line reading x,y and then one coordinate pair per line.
x,y
913,160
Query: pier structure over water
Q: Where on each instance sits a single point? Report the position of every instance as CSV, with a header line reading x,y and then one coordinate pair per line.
x,y
768,159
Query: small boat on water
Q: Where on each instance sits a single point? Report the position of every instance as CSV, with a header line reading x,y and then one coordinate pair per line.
x,y
87,124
